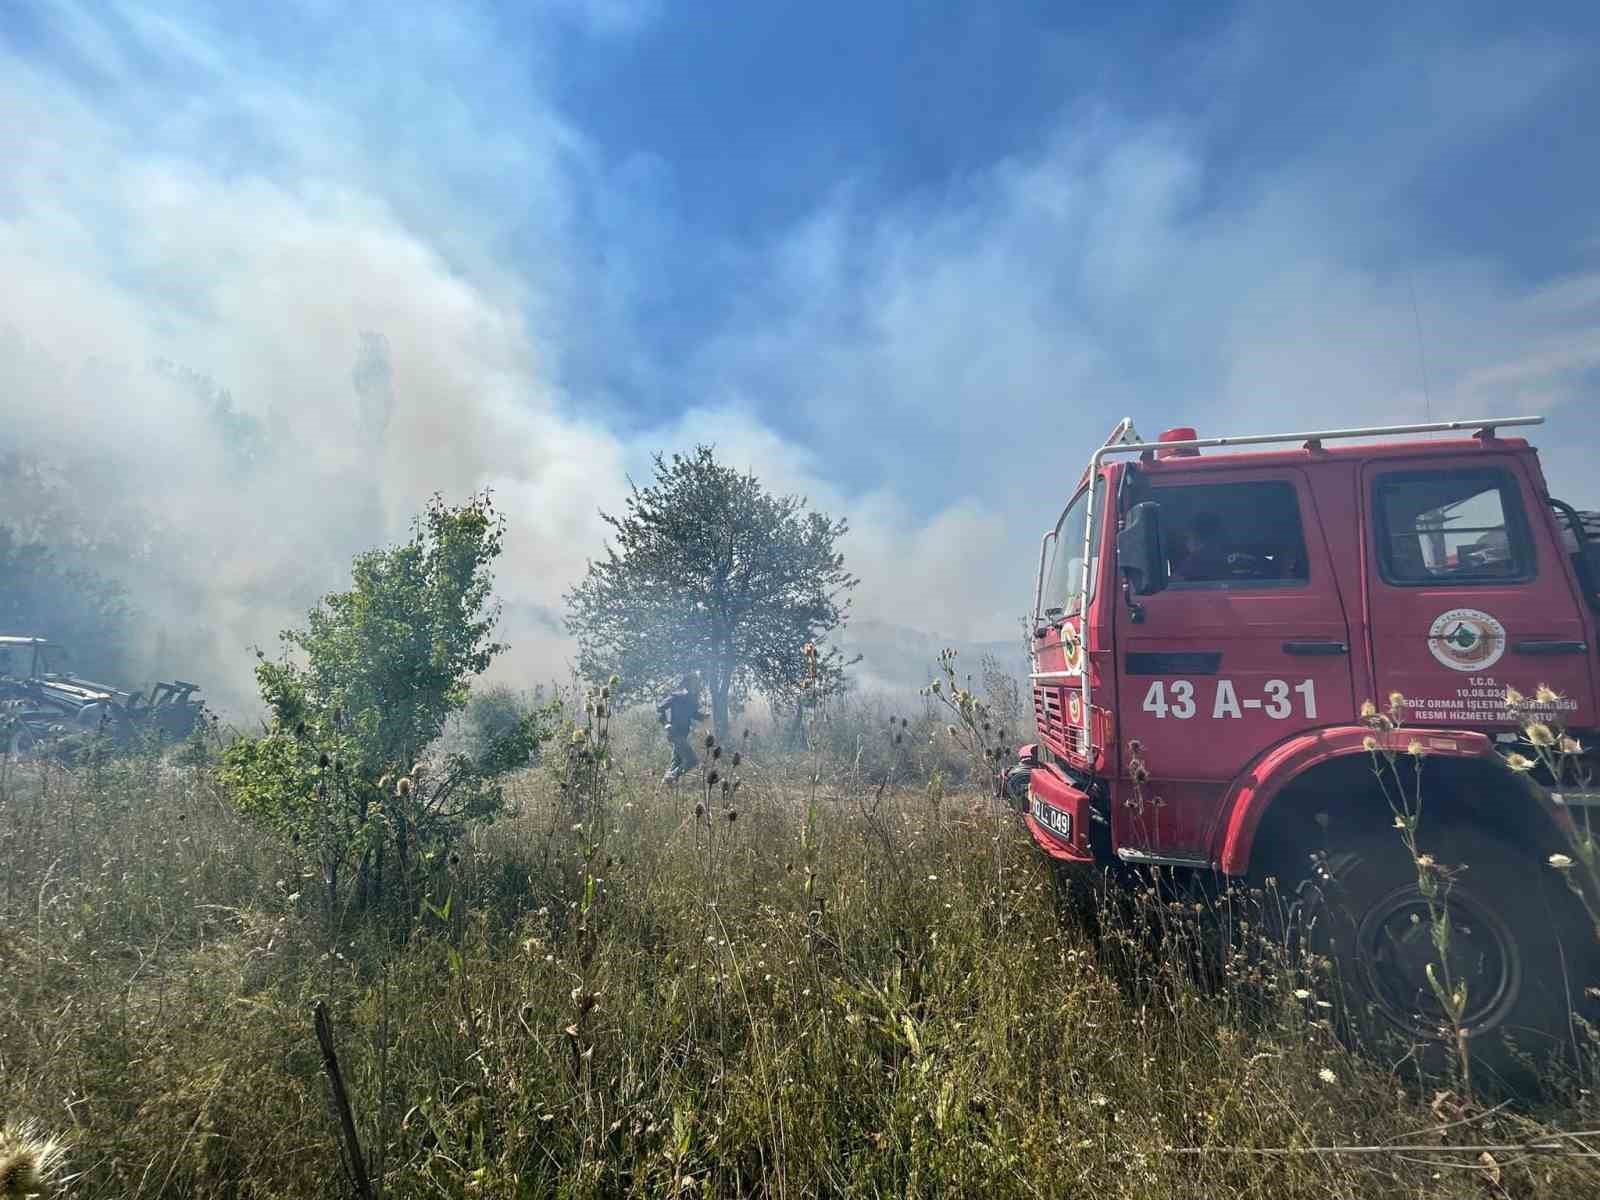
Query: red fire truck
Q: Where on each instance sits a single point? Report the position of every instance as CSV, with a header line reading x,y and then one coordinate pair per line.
x,y
1210,616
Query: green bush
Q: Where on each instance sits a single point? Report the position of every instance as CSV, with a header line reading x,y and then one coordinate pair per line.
x,y
361,694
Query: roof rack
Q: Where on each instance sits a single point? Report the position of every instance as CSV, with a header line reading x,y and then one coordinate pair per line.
x,y
1482,428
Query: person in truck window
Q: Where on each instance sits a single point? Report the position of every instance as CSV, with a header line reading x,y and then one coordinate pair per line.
x,y
1489,554
1205,558
678,712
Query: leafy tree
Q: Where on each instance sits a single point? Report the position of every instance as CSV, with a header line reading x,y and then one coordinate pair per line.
x,y
712,573
491,714
366,687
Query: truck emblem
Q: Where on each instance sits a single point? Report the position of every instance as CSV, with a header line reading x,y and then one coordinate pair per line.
x,y
1465,639
1071,647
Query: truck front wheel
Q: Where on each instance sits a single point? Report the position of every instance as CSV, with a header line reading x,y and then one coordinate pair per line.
x,y
1515,945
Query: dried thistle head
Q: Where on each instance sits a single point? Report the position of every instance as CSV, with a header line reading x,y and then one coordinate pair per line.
x,y
419,770
1539,734
1546,694
1520,762
403,788
30,1162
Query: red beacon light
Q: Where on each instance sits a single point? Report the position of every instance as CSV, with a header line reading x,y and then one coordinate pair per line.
x,y
1181,434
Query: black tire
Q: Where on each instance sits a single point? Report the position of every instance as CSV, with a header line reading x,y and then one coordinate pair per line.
x,y
1518,941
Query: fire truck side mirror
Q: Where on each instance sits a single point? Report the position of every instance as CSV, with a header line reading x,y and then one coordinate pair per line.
x,y
1589,569
1141,550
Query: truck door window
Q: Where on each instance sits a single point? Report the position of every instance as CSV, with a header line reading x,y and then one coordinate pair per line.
x,y
1451,527
1233,535
1065,576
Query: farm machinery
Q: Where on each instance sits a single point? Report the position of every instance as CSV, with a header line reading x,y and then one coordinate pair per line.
x,y
47,710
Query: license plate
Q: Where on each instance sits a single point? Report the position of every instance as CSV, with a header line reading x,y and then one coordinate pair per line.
x,y
1053,819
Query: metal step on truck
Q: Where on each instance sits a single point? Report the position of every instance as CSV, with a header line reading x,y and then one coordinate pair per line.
x,y
1210,618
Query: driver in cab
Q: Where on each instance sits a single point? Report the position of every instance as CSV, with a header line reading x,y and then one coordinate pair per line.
x,y
1205,558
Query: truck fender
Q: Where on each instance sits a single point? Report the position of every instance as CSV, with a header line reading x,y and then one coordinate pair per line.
x,y
1254,792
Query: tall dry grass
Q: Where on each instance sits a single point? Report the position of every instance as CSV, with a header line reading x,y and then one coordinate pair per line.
x,y
836,991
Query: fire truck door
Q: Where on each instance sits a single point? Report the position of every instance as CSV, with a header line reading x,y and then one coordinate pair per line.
x,y
1468,593
1246,646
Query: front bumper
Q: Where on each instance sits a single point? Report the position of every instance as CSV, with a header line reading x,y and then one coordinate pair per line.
x,y
1057,815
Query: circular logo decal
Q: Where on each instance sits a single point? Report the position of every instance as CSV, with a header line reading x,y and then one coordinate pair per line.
x,y
1075,709
1071,647
1465,639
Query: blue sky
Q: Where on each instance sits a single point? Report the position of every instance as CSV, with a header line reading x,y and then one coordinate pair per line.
x,y
910,258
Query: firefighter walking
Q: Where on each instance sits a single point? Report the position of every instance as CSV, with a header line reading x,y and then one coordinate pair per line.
x,y
678,712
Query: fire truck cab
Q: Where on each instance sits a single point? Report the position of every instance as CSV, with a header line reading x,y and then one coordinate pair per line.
x,y
1210,616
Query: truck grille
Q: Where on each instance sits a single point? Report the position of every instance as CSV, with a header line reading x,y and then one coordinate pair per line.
x,y
1050,716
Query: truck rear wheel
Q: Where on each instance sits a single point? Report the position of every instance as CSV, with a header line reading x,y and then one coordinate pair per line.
x,y
1515,942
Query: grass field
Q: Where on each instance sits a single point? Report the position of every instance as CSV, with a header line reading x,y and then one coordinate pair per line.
x,y
805,990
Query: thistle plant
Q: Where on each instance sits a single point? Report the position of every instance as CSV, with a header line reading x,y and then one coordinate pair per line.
x,y
974,727
972,723
1399,774
812,685
30,1162
1559,758
717,810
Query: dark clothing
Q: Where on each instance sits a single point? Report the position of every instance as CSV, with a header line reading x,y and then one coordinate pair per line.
x,y
1204,563
678,712
683,755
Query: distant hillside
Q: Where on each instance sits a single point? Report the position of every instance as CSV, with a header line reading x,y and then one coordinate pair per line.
x,y
896,658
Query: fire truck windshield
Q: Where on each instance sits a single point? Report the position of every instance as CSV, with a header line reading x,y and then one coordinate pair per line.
x,y
1064,577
